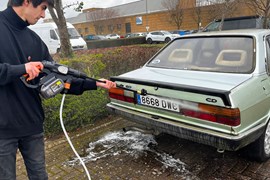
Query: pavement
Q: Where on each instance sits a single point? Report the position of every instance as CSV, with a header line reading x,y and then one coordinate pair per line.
x,y
198,161
58,150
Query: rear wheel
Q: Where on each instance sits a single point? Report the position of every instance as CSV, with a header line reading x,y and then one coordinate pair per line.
x,y
58,50
149,41
167,40
260,149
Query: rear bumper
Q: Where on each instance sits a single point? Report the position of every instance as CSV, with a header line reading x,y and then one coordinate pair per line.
x,y
216,139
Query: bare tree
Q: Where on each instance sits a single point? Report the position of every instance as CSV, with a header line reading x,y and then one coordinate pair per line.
x,y
58,17
60,21
102,18
221,9
197,12
260,8
175,11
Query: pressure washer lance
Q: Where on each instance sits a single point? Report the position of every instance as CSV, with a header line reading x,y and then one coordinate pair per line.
x,y
57,79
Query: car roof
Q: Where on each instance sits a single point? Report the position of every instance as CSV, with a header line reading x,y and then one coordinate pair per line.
x,y
239,32
159,31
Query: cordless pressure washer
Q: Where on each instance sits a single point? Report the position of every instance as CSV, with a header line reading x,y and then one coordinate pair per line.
x,y
57,78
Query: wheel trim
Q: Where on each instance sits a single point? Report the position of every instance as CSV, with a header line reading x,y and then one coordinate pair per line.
x,y
267,140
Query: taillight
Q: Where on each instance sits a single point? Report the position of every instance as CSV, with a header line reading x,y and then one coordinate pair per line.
x,y
122,95
227,116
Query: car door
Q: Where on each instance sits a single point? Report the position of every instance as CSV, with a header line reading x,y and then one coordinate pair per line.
x,y
54,42
154,36
160,36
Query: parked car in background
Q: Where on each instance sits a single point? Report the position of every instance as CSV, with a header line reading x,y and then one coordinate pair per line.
x,y
113,36
160,36
211,88
100,37
89,36
136,34
128,35
245,22
48,32
180,32
94,37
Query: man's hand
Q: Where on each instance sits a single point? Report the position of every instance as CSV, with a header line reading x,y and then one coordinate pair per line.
x,y
107,84
33,69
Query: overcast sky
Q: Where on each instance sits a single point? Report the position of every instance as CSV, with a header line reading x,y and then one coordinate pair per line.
x,y
69,12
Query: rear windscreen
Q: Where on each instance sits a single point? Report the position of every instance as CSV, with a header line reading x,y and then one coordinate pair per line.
x,y
217,54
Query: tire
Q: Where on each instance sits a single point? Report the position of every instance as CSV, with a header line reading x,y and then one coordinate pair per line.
x,y
167,39
260,149
58,50
149,41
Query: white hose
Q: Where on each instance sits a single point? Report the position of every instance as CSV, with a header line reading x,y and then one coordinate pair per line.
x,y
68,139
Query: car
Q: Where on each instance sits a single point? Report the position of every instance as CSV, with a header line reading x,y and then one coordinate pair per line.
x,y
209,87
180,32
113,36
89,36
99,37
94,37
244,22
160,36
128,35
136,34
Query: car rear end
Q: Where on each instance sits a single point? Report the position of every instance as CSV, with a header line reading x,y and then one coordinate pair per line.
x,y
183,93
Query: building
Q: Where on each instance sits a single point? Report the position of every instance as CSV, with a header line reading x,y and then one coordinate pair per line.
x,y
143,16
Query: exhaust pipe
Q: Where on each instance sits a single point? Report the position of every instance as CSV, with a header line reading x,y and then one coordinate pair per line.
x,y
219,150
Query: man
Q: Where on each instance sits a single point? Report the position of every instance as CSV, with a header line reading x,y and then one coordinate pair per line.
x,y
21,114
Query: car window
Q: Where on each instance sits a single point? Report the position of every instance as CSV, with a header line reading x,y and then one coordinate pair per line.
x,y
53,35
212,27
217,54
72,32
239,24
268,55
166,32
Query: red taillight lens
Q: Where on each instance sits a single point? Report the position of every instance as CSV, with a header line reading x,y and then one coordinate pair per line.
x,y
216,114
122,95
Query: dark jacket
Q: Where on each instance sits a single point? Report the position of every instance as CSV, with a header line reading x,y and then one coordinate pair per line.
x,y
21,112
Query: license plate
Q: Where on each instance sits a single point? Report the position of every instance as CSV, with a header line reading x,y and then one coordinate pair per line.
x,y
158,102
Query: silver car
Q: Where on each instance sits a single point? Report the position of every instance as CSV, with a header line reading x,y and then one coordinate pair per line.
x,y
211,88
160,36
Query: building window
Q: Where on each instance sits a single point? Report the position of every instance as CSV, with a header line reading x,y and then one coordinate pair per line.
x,y
139,20
119,26
208,2
86,30
110,28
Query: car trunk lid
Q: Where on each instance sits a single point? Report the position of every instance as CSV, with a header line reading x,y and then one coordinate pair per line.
x,y
180,94
199,79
